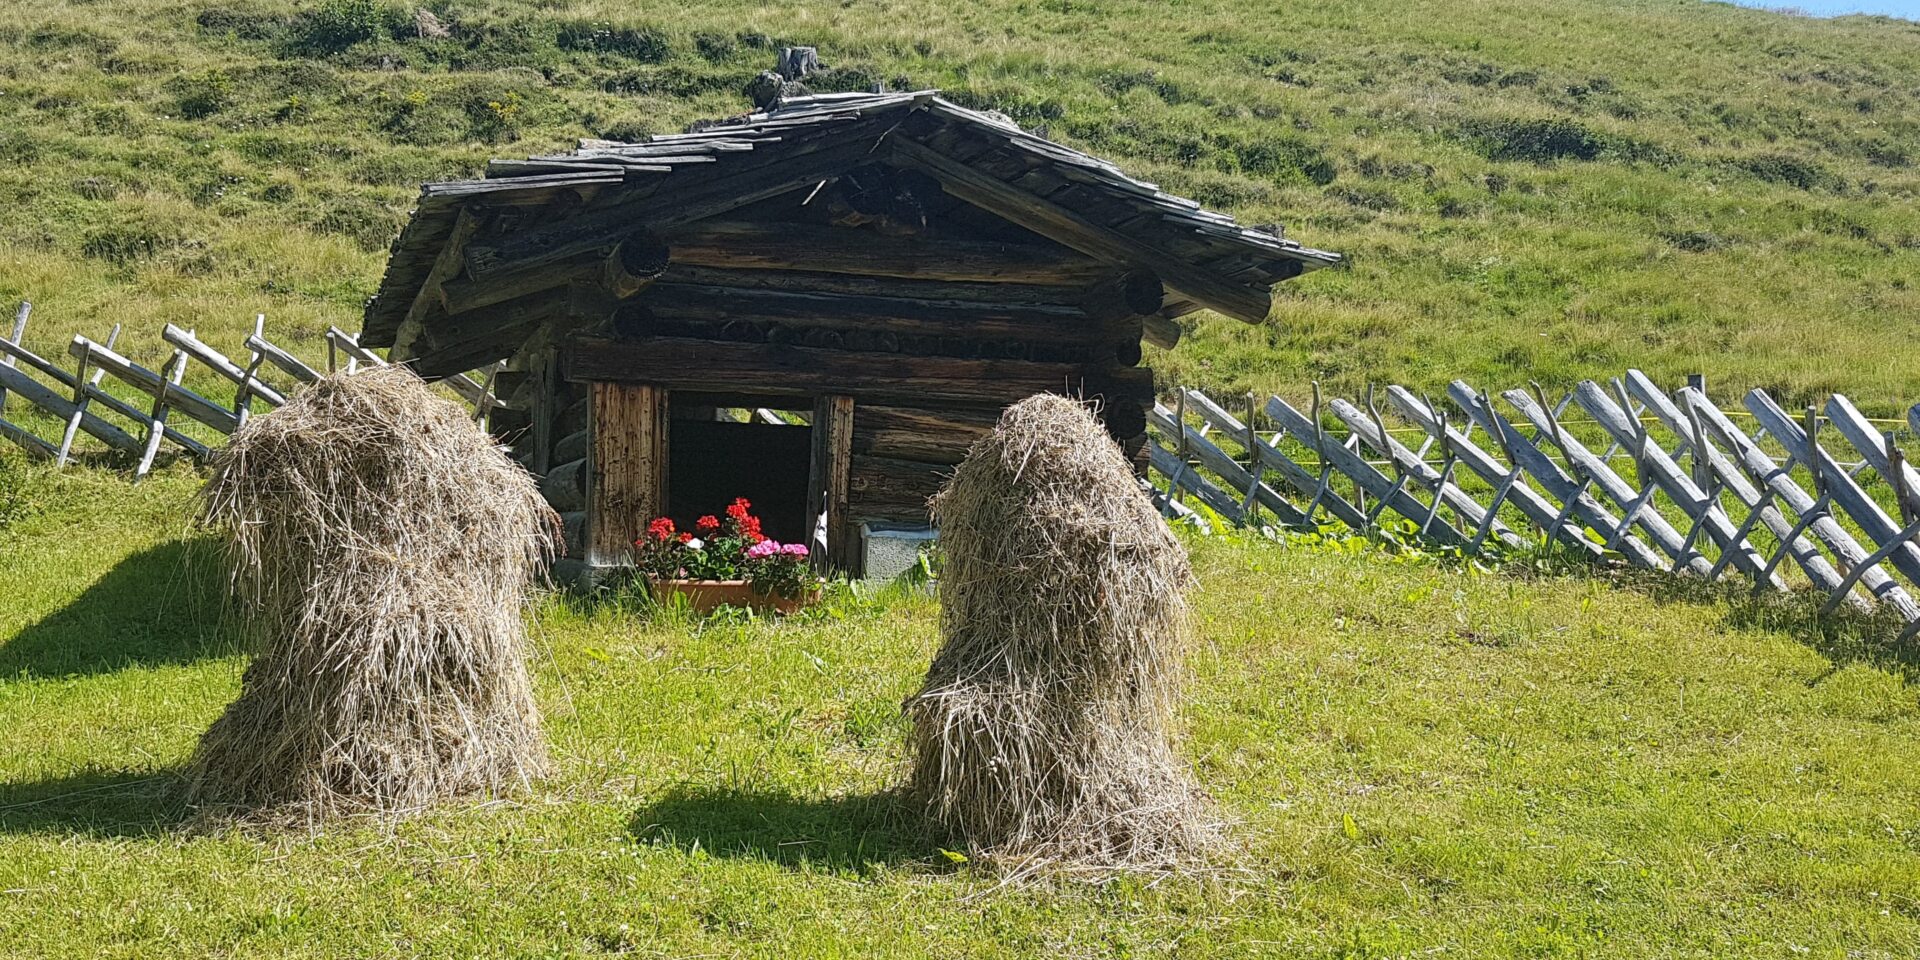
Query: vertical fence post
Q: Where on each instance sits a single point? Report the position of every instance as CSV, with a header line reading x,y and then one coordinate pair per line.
x,y
243,397
157,419
19,334
1179,445
83,387
1256,466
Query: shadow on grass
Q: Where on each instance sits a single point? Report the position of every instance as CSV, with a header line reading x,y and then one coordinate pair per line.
x,y
1846,636
159,606
840,833
98,803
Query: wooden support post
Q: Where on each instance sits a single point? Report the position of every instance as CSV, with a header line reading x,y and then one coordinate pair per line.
x,y
828,480
627,472
243,397
82,397
157,419
19,333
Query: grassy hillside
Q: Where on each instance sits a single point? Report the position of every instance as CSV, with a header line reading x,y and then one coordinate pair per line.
x,y
1537,188
1422,762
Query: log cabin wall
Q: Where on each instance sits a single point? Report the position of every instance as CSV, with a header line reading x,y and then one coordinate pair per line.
x,y
904,266
929,363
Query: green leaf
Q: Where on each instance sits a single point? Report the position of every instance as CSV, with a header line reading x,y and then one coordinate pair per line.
x,y
1349,826
953,855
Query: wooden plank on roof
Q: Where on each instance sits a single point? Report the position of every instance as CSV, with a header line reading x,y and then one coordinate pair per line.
x,y
1068,227
601,228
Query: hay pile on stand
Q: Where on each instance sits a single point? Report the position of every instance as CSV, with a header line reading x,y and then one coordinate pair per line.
x,y
381,547
1042,734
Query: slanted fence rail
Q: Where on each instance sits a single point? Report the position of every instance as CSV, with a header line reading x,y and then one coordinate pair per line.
x,y
1661,480
79,399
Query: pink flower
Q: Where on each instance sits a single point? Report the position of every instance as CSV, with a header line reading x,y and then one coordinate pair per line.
x,y
762,550
794,549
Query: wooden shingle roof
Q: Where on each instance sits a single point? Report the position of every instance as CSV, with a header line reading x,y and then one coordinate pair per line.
x,y
1205,258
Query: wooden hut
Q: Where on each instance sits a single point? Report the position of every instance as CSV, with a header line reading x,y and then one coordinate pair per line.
x,y
891,268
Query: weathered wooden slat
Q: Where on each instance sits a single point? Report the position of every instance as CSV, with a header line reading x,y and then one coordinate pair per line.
x,y
150,383
830,483
1673,481
36,393
1066,227
34,446
83,390
1303,481
1555,483
1789,493
862,252
1872,521
1817,567
66,379
1913,419
1865,438
788,370
218,363
707,197
1656,527
922,434
157,420
1180,476
1215,459
1356,468
1030,323
1410,463
1529,501
19,334
627,476
288,363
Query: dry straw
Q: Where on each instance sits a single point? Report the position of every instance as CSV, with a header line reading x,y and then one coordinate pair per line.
x,y
1042,734
380,548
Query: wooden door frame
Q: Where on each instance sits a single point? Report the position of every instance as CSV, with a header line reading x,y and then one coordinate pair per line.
x,y
829,476
627,459
626,466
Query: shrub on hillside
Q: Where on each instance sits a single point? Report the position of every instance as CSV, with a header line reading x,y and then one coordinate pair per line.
x,y
128,241
201,95
1534,141
1790,170
336,25
643,44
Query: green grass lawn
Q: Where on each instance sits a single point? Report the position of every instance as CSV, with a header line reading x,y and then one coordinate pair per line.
x,y
1423,761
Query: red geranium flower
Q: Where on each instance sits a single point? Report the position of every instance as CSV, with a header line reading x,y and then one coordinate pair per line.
x,y
708,523
738,509
660,529
686,537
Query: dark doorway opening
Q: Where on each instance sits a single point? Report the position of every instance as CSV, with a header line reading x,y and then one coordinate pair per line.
x,y
719,453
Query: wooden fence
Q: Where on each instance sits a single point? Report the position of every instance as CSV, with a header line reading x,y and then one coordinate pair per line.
x,y
1697,494
81,401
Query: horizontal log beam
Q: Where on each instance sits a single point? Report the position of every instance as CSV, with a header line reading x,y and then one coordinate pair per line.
x,y
789,370
1038,323
1067,227
918,433
809,247
796,281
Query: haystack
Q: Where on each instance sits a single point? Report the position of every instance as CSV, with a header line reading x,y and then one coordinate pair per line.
x,y
381,547
1042,736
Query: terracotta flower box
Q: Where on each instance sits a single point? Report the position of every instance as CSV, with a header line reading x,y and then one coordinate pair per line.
x,y
704,596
